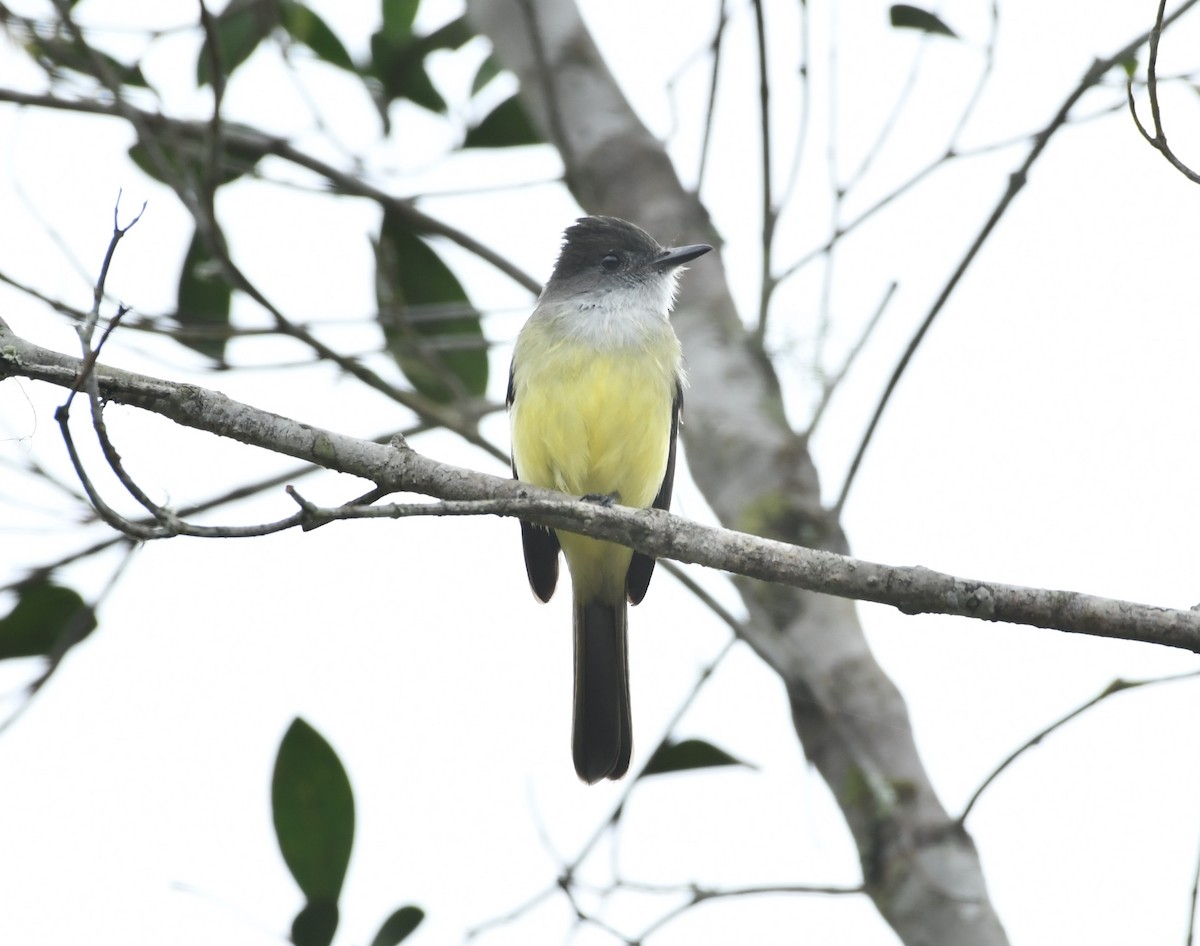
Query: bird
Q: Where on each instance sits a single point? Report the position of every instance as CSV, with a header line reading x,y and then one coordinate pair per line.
x,y
595,392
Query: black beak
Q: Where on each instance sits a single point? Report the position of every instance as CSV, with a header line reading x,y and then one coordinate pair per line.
x,y
680,255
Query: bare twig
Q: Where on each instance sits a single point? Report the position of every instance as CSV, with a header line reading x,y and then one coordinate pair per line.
x,y
831,384
911,589
566,879
1117,686
400,469
88,326
1158,139
1016,183
457,421
770,214
711,99
700,895
805,117
549,88
235,494
250,141
1193,903
79,626
213,164
989,62
512,915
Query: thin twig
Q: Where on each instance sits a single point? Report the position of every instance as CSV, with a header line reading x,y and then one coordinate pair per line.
x,y
989,62
1016,183
711,100
889,125
251,141
81,624
831,384
767,280
1193,903
1159,139
511,916
88,326
401,469
549,88
805,117
1117,686
459,422
700,895
213,164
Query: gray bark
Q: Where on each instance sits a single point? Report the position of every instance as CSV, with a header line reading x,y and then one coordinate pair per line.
x,y
919,866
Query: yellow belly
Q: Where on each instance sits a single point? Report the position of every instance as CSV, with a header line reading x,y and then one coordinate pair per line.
x,y
596,424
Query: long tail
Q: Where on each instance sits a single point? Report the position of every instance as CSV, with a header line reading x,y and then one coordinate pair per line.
x,y
603,733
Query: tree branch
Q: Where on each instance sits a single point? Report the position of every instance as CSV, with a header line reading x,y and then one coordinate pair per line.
x,y
1016,182
1158,139
398,468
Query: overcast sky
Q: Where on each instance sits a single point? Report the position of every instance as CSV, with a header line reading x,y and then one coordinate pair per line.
x,y
1046,434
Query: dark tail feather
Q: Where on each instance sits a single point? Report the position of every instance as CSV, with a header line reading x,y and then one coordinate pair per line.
x,y
603,736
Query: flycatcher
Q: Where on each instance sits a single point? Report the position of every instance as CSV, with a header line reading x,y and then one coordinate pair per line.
x,y
594,396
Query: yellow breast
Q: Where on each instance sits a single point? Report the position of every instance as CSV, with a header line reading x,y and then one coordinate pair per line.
x,y
594,422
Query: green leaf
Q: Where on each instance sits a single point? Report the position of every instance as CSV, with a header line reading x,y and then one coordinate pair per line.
x,y
315,924
400,70
398,926
428,323
689,754
55,53
306,27
238,29
398,16
454,35
186,161
914,18
488,70
46,618
398,63
1130,65
313,807
203,302
506,126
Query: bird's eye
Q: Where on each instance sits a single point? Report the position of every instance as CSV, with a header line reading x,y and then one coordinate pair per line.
x,y
611,263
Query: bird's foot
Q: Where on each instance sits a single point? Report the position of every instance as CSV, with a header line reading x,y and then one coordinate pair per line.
x,y
601,499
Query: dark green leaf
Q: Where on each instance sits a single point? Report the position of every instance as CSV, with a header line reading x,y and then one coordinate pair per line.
x,y
398,62
914,18
398,16
454,35
398,926
238,29
306,27
55,53
46,618
313,807
315,924
203,302
488,70
186,162
428,323
1130,64
507,125
689,754
400,70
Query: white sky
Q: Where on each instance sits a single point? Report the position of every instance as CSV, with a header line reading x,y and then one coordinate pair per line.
x,y
1046,434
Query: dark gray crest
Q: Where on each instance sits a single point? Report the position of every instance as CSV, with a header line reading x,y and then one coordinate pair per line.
x,y
599,249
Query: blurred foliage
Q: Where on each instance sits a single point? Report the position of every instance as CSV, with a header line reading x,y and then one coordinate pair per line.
x,y
46,620
689,754
428,322
313,808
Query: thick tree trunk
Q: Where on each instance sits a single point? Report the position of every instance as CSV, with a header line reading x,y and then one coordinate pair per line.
x,y
920,868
